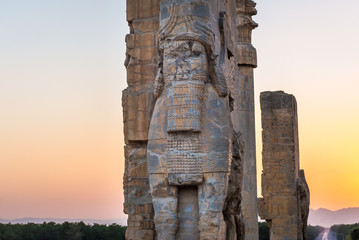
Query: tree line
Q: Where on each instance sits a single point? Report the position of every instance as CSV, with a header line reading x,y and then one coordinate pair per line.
x,y
82,231
312,231
346,231
64,231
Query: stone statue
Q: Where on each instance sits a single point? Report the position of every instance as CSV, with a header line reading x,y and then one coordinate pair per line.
x,y
190,134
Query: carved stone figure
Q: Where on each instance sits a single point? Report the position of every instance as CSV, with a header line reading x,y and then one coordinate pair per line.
x,y
190,146
190,132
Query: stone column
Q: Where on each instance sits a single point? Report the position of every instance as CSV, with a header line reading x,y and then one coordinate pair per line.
x,y
138,101
245,124
285,202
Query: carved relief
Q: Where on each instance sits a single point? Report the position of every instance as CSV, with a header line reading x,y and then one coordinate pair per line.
x,y
190,131
184,160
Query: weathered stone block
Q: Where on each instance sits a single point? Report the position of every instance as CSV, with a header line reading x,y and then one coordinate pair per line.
x,y
137,162
138,108
247,55
139,9
142,54
141,40
141,72
140,26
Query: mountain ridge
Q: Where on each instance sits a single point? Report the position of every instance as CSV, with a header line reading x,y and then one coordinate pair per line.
x,y
327,218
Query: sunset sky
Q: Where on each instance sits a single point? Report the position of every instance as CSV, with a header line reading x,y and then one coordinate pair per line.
x,y
61,77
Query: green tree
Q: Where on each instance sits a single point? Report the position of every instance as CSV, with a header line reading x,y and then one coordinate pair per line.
x,y
116,232
28,231
74,232
354,234
99,232
263,231
343,229
314,231
8,233
64,231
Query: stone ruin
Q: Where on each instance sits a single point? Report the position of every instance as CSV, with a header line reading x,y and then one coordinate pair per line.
x,y
190,164
285,202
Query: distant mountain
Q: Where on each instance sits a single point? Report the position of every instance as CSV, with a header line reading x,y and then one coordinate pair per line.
x,y
120,221
3,220
327,218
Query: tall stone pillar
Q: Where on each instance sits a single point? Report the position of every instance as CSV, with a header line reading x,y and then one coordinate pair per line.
x,y
245,122
285,203
138,102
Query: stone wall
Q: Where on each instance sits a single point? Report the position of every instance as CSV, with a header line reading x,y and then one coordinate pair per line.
x,y
138,102
282,206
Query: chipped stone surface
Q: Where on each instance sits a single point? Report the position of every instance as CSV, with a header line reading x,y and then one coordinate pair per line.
x,y
138,102
189,120
239,15
285,202
304,198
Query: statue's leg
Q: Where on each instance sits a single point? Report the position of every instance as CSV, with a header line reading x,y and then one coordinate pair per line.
x,y
164,199
211,196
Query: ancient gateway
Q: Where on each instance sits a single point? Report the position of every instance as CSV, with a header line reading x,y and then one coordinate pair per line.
x,y
190,164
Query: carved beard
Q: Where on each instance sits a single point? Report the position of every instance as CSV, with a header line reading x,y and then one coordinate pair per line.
x,y
185,70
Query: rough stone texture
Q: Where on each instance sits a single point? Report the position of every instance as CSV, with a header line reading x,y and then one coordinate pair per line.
x,y
190,69
190,131
188,213
304,198
285,202
233,208
244,59
138,101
